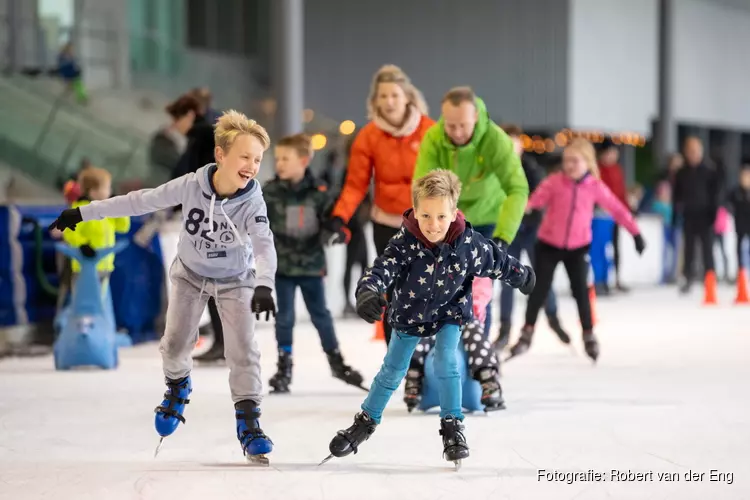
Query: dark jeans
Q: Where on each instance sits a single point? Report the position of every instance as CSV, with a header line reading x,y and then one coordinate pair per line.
x,y
743,261
576,264
313,292
525,241
382,235
487,231
356,253
698,228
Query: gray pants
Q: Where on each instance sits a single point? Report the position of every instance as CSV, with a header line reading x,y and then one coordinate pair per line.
x,y
187,301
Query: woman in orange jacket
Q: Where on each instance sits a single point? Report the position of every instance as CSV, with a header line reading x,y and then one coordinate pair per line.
x,y
385,149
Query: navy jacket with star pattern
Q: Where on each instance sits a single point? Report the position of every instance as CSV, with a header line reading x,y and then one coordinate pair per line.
x,y
432,283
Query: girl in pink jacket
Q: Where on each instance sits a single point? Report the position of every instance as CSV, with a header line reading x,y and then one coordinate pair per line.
x,y
569,198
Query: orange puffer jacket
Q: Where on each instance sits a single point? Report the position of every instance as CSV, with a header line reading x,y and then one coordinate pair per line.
x,y
392,159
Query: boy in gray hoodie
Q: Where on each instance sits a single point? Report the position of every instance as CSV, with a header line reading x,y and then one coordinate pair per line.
x,y
226,250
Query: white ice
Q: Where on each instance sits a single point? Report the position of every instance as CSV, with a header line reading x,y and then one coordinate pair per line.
x,y
669,394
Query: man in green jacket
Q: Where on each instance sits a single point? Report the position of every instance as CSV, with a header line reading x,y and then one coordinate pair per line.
x,y
494,189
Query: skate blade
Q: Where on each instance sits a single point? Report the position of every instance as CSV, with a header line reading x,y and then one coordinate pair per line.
x,y
326,459
457,465
158,446
366,389
261,460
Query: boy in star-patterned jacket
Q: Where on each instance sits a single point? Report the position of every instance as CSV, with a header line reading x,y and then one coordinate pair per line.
x,y
431,262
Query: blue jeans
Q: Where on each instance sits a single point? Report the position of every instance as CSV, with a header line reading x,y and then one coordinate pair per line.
x,y
669,255
396,362
313,292
487,231
524,241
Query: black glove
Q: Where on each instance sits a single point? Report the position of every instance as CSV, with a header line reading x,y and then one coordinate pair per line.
x,y
529,283
67,220
336,231
640,245
87,251
370,305
263,302
502,244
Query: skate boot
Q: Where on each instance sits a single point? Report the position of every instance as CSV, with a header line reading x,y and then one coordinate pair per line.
x,y
255,444
554,323
169,413
492,392
342,371
455,448
413,389
523,344
347,441
502,337
591,345
280,382
213,355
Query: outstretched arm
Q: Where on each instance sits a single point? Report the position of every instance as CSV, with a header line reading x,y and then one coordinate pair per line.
x,y
508,169
263,248
490,261
138,202
386,267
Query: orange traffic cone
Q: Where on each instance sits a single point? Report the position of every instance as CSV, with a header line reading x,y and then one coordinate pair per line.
x,y
709,297
592,301
379,331
742,295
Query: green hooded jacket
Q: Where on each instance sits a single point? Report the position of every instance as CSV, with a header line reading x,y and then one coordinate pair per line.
x,y
494,187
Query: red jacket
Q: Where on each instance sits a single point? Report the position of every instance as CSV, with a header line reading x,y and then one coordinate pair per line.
x,y
613,177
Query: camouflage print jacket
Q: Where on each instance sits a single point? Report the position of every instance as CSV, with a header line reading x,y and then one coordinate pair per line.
x,y
296,214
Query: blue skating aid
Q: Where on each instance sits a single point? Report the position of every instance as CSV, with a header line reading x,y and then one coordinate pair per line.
x,y
255,444
87,325
471,389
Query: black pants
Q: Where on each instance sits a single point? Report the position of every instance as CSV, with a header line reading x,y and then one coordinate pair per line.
x,y
213,312
741,262
382,235
616,248
698,229
356,253
576,264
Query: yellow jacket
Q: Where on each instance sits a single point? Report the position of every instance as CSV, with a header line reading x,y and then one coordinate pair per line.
x,y
97,234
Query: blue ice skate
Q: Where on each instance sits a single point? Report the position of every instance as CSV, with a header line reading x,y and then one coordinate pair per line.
x,y
255,444
169,413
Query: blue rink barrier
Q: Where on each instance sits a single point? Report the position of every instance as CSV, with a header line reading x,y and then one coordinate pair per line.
x,y
136,284
601,237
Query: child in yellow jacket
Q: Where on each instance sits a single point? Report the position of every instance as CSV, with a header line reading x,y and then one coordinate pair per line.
x,y
90,236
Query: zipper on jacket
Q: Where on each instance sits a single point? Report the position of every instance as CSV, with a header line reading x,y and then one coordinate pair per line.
x,y
570,215
431,290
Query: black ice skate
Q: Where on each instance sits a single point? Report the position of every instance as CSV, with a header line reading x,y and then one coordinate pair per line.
x,y
503,336
523,344
413,389
347,441
455,448
591,345
492,392
280,381
344,372
214,355
554,323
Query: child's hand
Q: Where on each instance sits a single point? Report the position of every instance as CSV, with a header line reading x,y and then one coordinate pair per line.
x,y
68,219
55,234
263,302
337,231
529,283
370,305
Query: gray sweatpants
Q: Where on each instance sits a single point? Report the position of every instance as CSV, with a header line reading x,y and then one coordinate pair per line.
x,y
187,301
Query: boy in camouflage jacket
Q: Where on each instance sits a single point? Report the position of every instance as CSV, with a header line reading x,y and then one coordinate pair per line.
x,y
297,206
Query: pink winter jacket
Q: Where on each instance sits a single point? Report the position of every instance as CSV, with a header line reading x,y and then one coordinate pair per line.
x,y
570,209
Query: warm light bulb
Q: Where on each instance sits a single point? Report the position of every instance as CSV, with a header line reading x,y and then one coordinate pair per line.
x,y
347,127
318,141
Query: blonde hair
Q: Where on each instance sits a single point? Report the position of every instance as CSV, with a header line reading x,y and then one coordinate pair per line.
x,y
391,73
437,184
93,178
301,143
233,123
586,149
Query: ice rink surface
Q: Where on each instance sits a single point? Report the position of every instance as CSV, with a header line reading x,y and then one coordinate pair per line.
x,y
669,395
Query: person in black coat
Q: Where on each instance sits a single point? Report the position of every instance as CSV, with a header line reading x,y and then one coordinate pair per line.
x,y
739,204
696,202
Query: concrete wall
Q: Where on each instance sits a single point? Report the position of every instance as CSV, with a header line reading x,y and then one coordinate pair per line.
x,y
513,53
712,74
612,78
